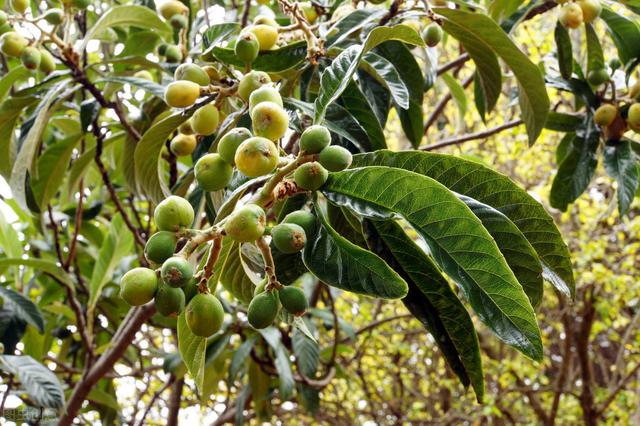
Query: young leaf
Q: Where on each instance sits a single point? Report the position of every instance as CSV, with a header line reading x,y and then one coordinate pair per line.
x,y
42,386
620,163
459,243
496,190
481,32
433,303
342,264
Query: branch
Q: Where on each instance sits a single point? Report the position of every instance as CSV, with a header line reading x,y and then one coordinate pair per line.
x,y
441,105
472,136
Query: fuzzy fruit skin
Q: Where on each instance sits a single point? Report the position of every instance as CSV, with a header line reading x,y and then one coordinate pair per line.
x,y
193,73
293,300
4,18
160,246
633,117
246,224
250,82
178,22
205,120
304,219
182,94
256,156
265,20
314,139
264,94
12,44
169,300
310,12
19,6
183,145
229,143
173,213
144,74
263,309
176,271
47,63
212,72
247,47
212,172
266,34
172,7
310,176
591,10
432,35
30,58
335,158
605,114
54,16
138,286
634,91
570,16
204,314
173,54
269,120
288,237
598,76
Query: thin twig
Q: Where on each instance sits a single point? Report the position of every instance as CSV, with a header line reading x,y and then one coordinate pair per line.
x,y
472,136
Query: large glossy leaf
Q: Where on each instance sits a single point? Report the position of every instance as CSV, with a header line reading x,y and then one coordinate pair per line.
x,y
23,308
340,263
564,51
459,243
42,386
125,15
192,350
484,34
307,352
276,60
30,144
117,244
433,303
147,154
620,163
386,74
625,34
496,190
577,168
337,76
51,169
352,23
520,255
357,104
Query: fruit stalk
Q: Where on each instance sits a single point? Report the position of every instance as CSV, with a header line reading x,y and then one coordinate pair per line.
x,y
269,265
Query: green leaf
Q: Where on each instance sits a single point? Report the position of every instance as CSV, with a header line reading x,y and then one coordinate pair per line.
x,y
24,308
126,15
30,145
356,103
386,74
51,170
139,44
192,350
10,111
117,244
230,272
336,77
274,61
564,51
102,397
433,303
240,356
518,252
561,122
307,353
352,23
577,168
625,34
496,190
481,32
141,83
42,386
595,57
620,163
342,264
147,154
84,161
46,266
272,336
459,243
9,79
217,33
459,97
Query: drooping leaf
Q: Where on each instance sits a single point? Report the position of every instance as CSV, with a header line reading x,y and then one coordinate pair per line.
x,y
23,307
625,34
42,386
230,272
307,353
340,263
564,51
10,111
496,190
355,102
480,31
386,74
595,56
434,304
459,243
51,170
8,80
192,350
272,336
240,356
620,163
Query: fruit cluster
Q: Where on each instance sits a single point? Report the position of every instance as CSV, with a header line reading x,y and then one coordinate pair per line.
x,y
572,14
617,115
13,44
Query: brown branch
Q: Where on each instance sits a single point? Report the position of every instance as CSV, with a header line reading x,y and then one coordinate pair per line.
x,y
154,398
441,106
174,402
460,60
621,385
76,230
566,361
472,136
93,373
